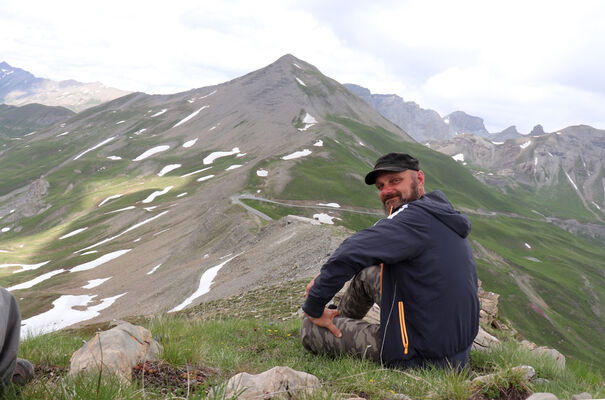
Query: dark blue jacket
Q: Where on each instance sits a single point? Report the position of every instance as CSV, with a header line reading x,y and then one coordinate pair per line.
x,y
429,307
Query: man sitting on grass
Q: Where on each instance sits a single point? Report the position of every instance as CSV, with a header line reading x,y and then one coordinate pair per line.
x,y
426,286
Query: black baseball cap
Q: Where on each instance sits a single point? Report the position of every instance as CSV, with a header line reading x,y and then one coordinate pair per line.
x,y
392,162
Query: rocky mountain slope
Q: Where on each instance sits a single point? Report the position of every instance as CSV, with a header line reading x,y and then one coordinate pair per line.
x,y
567,166
133,207
19,87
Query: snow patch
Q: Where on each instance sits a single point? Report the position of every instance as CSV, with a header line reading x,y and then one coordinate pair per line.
x,y
35,281
189,143
159,113
497,143
196,172
99,261
235,166
154,269
155,194
297,66
181,194
596,205
205,283
205,178
218,154
300,81
524,145
95,147
527,245
150,152
309,121
572,182
193,114
5,229
114,158
135,226
62,134
95,282
334,205
24,267
459,157
324,218
115,196
121,209
297,154
262,172
168,168
120,122
63,314
72,233
319,143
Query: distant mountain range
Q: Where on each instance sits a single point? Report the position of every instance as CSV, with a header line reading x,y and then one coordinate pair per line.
x,y
19,87
141,205
425,124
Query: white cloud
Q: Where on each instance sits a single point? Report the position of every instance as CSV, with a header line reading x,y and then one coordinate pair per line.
x,y
515,62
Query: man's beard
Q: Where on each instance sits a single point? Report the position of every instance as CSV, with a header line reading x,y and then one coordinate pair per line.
x,y
415,195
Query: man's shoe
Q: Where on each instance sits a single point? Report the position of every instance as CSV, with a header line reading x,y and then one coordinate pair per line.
x,y
24,372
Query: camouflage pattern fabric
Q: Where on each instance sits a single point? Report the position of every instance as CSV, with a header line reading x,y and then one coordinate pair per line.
x,y
359,338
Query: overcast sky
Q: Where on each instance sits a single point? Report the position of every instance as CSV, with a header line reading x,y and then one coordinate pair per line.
x,y
509,62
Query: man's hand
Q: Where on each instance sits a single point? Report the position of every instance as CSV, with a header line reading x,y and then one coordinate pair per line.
x,y
327,321
310,285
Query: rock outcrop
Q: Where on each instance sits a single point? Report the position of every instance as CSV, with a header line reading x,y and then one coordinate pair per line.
x,y
117,351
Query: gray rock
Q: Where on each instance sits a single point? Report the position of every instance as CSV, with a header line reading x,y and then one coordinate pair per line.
x,y
553,353
484,341
542,396
269,384
581,396
118,349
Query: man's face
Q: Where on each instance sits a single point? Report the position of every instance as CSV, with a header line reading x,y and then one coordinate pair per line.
x,y
398,188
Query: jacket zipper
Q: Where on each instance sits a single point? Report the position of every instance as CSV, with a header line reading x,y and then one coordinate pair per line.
x,y
404,332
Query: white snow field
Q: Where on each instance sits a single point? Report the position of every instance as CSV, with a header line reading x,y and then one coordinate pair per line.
x,y
35,281
189,143
152,151
99,261
205,283
324,218
334,205
72,233
155,194
297,154
63,314
262,172
205,178
115,196
94,147
24,267
193,114
459,157
218,154
168,168
95,282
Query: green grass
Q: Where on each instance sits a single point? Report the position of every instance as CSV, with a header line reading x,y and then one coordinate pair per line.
x,y
263,333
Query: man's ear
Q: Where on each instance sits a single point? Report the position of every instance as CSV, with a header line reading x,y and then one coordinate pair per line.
x,y
420,177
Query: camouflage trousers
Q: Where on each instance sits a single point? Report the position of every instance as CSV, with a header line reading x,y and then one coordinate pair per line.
x,y
359,337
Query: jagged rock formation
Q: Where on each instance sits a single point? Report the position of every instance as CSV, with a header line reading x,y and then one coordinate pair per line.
x,y
460,123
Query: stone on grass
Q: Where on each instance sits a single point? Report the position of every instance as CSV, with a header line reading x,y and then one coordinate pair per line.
x,y
120,349
581,396
278,381
542,396
484,341
552,353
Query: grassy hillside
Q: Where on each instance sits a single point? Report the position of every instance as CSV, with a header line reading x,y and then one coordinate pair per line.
x,y
263,333
552,291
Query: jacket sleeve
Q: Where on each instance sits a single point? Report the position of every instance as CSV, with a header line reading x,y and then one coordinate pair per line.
x,y
390,241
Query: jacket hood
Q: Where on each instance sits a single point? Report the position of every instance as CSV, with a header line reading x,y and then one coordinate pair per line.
x,y
439,206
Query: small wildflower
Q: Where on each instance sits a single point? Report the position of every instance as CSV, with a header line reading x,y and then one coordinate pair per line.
x,y
275,330
371,380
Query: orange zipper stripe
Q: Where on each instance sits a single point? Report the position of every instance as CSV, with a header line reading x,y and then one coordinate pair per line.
x,y
404,332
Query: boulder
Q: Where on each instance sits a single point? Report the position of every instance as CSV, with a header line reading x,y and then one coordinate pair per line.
x,y
489,305
118,350
542,396
552,353
581,396
484,341
277,381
